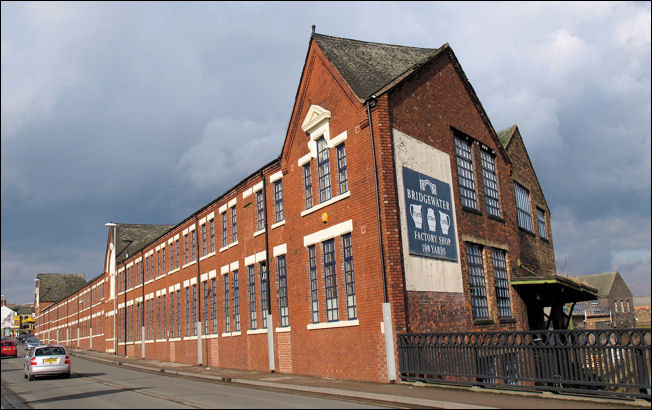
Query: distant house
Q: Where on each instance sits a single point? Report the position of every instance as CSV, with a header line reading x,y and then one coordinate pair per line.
x,y
614,307
642,311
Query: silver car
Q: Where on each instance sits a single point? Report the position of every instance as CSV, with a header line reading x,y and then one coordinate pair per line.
x,y
31,342
47,360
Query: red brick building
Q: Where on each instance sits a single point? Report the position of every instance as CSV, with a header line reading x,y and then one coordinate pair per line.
x,y
392,191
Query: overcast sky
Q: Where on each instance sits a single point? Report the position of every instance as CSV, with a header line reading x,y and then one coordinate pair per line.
x,y
145,112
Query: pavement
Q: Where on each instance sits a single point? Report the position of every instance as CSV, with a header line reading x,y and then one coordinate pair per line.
x,y
399,394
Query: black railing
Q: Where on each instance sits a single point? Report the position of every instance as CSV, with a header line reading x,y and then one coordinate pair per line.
x,y
611,362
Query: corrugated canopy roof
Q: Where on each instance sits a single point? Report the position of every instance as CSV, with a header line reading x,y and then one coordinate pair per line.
x,y
369,67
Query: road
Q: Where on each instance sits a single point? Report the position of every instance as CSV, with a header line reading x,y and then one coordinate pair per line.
x,y
97,385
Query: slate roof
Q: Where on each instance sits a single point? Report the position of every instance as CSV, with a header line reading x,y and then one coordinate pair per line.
x,y
54,287
369,67
505,136
601,281
132,238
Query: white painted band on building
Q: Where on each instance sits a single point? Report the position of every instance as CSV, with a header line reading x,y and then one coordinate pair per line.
x,y
275,176
328,233
280,250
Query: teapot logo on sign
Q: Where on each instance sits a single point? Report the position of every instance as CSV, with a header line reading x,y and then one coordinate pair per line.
x,y
430,227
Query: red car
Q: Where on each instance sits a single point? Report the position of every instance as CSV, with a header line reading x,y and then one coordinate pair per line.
x,y
9,348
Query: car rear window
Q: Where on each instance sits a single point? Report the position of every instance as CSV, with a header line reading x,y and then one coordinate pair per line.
x,y
7,343
50,351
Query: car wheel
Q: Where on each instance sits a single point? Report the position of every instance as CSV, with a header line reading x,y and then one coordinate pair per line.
x,y
30,377
66,375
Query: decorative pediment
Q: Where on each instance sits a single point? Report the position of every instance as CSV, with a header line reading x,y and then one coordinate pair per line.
x,y
315,117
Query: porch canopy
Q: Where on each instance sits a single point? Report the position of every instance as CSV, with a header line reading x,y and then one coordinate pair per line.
x,y
553,290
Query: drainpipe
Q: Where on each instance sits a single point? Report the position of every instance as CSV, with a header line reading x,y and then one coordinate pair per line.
x,y
270,322
124,265
200,358
142,305
386,307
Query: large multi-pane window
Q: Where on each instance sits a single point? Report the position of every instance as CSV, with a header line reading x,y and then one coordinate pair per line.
x,y
477,284
264,296
502,283
283,292
225,240
193,237
278,201
227,314
158,317
307,180
236,302
523,209
194,310
172,314
214,304
163,261
203,240
260,211
212,235
324,170
172,256
541,219
349,278
314,287
465,173
234,225
490,183
252,297
185,248
206,307
178,313
177,252
330,279
341,169
187,312
163,316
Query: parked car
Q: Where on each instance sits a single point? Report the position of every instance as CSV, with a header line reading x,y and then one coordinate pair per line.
x,y
47,360
21,337
31,342
9,348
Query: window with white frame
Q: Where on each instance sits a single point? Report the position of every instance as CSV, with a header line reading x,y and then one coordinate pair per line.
x,y
236,301
163,316
260,211
214,304
264,295
187,312
283,292
252,297
225,240
185,248
212,233
171,314
203,240
278,200
324,170
490,183
341,169
330,281
349,279
307,181
193,243
523,210
205,307
314,286
465,174
227,317
234,225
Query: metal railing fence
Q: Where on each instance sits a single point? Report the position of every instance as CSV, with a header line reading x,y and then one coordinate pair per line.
x,y
609,362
